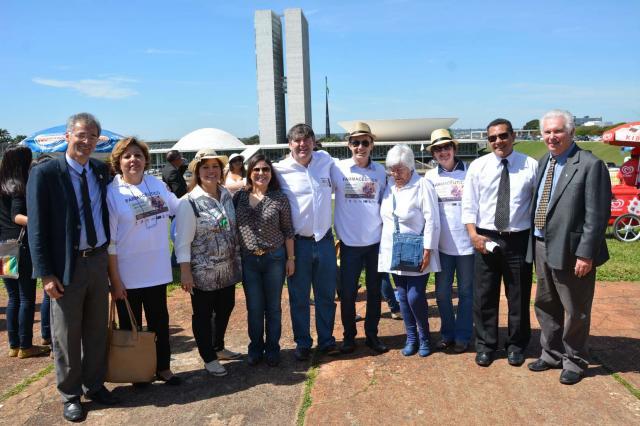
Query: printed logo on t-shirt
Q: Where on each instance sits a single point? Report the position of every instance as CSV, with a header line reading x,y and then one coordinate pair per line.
x,y
360,189
449,190
147,205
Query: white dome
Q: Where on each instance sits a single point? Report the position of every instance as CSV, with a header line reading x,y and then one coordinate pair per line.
x,y
207,138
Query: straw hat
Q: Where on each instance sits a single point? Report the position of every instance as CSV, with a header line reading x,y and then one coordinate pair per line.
x,y
205,154
360,129
441,137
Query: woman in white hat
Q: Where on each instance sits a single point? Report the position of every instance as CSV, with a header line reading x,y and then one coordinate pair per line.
x,y
456,250
412,200
234,175
208,252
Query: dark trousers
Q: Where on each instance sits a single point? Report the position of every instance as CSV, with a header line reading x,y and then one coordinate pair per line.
x,y
352,259
507,263
21,303
209,334
154,301
563,307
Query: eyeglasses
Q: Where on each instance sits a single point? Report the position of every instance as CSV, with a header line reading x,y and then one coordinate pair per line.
x,y
442,148
261,169
356,143
502,136
85,137
399,170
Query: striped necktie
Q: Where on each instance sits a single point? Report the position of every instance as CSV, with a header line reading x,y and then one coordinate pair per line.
x,y
541,213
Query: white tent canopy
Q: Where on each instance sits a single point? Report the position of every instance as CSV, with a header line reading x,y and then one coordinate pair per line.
x,y
208,137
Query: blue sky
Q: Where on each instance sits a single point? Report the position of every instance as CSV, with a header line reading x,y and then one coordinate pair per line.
x,y
160,69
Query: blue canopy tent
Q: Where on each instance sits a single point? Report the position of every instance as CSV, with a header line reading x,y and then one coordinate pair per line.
x,y
52,140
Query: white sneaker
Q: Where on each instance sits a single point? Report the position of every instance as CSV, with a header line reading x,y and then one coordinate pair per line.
x,y
396,315
226,355
215,369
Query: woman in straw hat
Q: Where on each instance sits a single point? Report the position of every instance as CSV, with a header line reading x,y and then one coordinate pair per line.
x,y
456,250
208,252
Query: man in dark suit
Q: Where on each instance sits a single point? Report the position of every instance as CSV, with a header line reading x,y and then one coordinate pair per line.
x,y
572,206
173,171
68,237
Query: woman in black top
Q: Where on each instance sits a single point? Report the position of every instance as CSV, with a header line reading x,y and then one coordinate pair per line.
x,y
14,170
266,235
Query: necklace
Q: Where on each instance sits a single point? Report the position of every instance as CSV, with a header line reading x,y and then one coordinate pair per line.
x,y
144,205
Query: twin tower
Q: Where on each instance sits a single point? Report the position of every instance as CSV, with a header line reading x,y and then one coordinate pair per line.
x,y
272,82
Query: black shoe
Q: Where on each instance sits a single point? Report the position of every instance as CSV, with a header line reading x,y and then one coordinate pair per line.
x,y
460,348
484,359
568,377
171,381
253,360
73,410
348,346
273,361
443,345
302,354
375,344
540,365
331,350
104,397
515,358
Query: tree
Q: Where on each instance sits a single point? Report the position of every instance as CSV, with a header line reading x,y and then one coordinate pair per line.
x,y
330,138
251,140
532,125
5,140
19,138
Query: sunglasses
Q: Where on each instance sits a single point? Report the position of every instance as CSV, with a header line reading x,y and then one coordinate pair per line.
x,y
446,147
356,143
501,136
261,169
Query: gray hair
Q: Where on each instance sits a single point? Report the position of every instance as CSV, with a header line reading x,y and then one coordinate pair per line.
x,y
300,130
401,154
569,121
83,117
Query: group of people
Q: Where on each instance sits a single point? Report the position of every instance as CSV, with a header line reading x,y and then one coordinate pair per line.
x,y
90,235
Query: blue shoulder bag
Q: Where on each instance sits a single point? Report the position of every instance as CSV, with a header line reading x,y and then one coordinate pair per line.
x,y
408,249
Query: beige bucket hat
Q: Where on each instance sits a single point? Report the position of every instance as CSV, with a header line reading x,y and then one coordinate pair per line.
x,y
360,128
441,137
205,154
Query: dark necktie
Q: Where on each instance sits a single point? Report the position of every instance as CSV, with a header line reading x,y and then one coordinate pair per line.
x,y
541,214
502,204
86,210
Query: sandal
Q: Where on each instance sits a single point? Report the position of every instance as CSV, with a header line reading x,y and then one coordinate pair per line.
x,y
169,378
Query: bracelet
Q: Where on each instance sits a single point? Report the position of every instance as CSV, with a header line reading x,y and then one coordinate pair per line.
x,y
291,258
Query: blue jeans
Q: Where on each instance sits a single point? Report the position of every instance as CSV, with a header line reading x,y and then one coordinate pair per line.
x,y
455,328
45,316
262,280
21,304
413,306
315,266
388,293
352,259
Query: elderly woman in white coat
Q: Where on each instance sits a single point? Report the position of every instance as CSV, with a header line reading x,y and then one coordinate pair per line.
x,y
416,207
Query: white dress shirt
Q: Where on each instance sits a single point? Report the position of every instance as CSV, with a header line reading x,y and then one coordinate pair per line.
x,y
358,194
309,192
481,191
417,209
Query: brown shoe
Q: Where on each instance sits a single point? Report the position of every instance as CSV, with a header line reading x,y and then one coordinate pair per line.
x,y
34,350
13,352
46,342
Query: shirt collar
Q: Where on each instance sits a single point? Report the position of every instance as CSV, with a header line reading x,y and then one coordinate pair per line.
x,y
369,165
562,158
75,165
510,158
459,166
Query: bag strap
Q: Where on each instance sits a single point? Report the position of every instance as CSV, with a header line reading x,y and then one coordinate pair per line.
x,y
21,236
395,218
193,206
112,317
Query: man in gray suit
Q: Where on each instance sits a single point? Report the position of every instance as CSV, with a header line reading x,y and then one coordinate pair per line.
x,y
572,206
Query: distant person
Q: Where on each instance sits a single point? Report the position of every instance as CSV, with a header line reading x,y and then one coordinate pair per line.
x,y
410,202
173,171
266,238
570,213
305,178
68,235
139,256
359,183
208,252
234,175
456,250
496,204
21,291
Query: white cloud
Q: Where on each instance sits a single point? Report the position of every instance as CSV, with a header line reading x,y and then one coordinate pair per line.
x,y
110,88
152,51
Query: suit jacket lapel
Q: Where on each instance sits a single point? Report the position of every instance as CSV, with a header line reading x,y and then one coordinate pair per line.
x,y
568,171
65,177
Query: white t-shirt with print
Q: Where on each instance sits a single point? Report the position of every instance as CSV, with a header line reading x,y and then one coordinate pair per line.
x,y
139,223
357,209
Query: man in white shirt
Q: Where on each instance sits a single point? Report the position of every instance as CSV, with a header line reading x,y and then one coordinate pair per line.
x,y
305,177
359,183
496,207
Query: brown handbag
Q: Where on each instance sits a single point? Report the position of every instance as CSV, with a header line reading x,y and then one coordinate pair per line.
x,y
132,353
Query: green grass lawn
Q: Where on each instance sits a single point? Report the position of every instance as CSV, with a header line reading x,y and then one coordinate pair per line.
x,y
607,153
